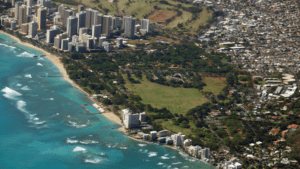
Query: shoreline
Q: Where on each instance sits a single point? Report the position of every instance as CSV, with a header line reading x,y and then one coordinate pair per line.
x,y
108,114
57,62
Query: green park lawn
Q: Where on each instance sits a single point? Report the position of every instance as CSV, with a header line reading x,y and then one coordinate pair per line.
x,y
177,100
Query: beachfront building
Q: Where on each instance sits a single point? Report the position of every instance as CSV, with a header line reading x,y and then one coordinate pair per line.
x,y
205,153
41,18
131,120
178,139
51,33
195,150
57,40
32,29
22,15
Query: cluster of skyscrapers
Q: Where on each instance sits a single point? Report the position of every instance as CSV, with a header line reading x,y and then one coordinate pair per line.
x,y
72,29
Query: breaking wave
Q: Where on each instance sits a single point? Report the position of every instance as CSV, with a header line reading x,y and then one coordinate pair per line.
x,y
152,154
78,149
25,88
28,76
10,93
39,64
92,160
26,54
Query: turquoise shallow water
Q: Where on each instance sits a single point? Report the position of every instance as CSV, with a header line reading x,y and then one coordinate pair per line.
x,y
44,126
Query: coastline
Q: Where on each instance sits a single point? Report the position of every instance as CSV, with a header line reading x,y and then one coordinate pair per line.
x,y
108,114
57,62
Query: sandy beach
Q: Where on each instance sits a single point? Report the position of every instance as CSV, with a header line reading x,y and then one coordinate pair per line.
x,y
56,60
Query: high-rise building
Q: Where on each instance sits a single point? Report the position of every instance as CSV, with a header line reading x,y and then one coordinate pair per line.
x,y
66,15
106,25
80,8
13,25
29,3
17,6
61,9
28,10
99,19
41,18
24,28
32,29
74,11
57,40
51,33
129,26
22,15
81,19
115,22
145,24
96,31
72,26
205,153
90,43
45,3
81,32
65,44
88,18
94,17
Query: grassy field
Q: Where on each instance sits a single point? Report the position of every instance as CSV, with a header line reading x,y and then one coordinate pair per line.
x,y
177,100
214,84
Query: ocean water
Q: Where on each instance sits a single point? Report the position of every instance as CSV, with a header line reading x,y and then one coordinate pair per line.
x,y
43,125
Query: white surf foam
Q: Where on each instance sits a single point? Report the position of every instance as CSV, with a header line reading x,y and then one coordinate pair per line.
x,y
77,149
26,54
71,141
164,158
7,46
25,88
18,85
40,122
123,148
74,124
21,106
88,142
92,160
160,163
10,93
39,64
28,76
152,154
142,145
176,163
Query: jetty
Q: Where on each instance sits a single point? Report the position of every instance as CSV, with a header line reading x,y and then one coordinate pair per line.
x,y
39,55
84,106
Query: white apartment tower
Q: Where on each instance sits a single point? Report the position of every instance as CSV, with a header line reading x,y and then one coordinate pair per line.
x,y
145,24
32,29
129,25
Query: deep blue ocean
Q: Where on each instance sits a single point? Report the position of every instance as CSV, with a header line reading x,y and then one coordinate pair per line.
x,y
43,125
